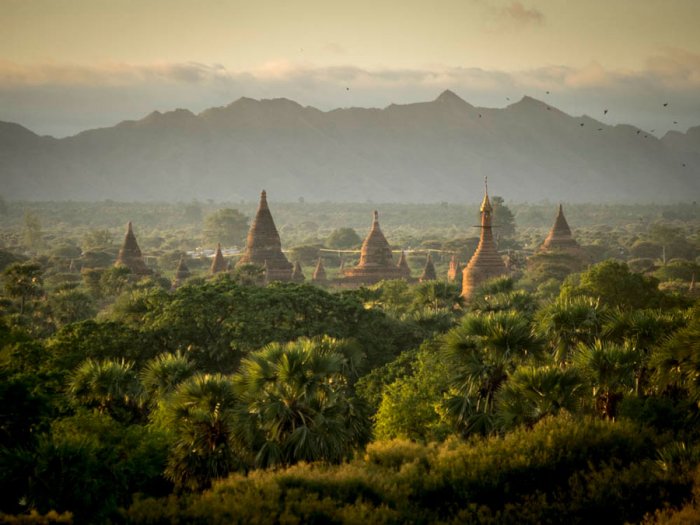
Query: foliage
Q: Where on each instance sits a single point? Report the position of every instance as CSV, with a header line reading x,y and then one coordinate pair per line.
x,y
297,401
208,441
343,238
612,283
533,393
563,470
226,226
23,281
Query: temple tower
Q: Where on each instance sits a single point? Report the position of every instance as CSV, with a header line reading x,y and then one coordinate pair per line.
x,y
297,273
429,271
486,263
376,263
218,264
453,269
130,254
264,247
403,266
319,275
560,238
182,272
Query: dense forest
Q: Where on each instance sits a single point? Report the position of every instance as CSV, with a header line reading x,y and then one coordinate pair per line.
x,y
567,392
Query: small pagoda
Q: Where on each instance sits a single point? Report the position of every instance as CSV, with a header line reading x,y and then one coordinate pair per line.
x,y
403,266
182,273
130,255
218,264
264,247
428,271
560,238
376,263
453,269
319,275
297,273
486,263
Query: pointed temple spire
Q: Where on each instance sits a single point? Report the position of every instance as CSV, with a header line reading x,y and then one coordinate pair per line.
x,y
319,275
264,247
218,264
560,238
297,273
182,273
403,266
486,263
453,269
130,254
429,270
376,262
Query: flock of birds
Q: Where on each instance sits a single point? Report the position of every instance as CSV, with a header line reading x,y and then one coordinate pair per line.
x,y
582,124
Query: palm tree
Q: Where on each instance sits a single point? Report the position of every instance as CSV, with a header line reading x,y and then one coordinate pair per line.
x,y
568,322
641,330
485,350
437,295
23,281
532,393
676,362
210,442
298,403
610,370
161,375
108,385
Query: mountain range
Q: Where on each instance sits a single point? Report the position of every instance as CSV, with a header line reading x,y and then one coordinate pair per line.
x,y
423,152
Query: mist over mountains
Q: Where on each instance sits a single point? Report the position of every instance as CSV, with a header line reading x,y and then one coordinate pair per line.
x,y
423,152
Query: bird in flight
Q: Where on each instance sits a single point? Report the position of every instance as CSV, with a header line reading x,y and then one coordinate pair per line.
x,y
665,104
581,124
605,112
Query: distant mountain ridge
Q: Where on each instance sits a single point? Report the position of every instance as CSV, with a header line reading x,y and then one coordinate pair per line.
x,y
423,152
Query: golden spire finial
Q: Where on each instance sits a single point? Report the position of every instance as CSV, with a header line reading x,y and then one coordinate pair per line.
x,y
486,203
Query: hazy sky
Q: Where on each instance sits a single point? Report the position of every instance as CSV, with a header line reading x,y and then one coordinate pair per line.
x,y
68,65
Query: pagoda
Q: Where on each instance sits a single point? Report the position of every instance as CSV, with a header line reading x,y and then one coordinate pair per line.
x,y
403,266
486,263
264,247
181,273
218,264
319,275
560,238
453,269
429,271
130,254
376,263
297,273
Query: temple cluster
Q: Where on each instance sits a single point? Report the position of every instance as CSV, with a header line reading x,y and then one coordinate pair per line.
x,y
264,252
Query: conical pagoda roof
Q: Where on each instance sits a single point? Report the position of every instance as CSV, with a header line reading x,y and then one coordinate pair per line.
x,y
560,237
263,245
297,273
182,271
130,254
453,269
428,271
320,272
218,264
376,262
403,265
486,263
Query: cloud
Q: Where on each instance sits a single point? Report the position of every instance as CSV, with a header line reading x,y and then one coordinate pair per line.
x,y
517,12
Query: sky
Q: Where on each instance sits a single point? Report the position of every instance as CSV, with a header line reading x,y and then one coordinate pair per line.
x,y
71,65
